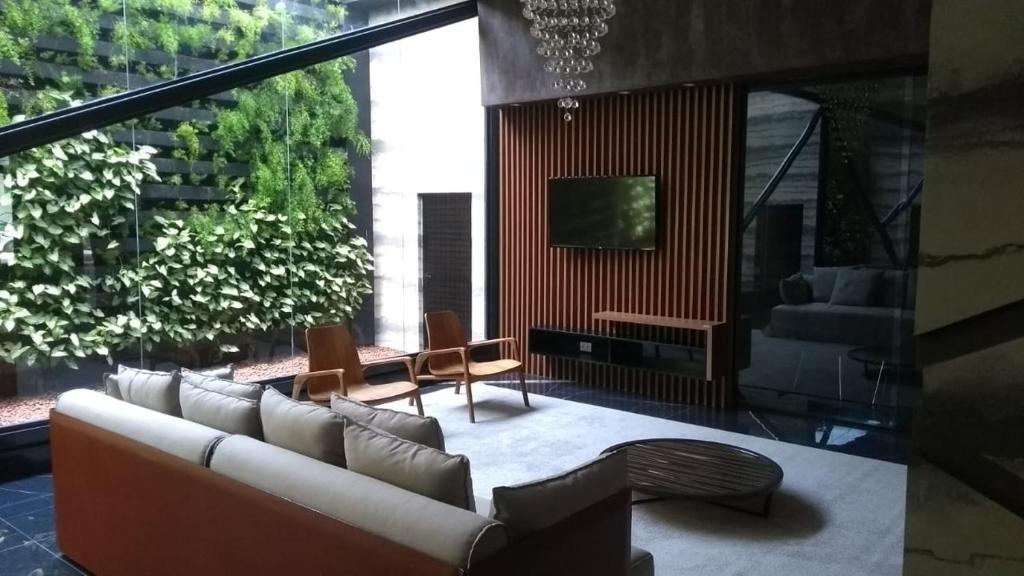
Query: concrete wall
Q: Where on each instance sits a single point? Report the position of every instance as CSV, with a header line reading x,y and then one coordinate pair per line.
x,y
965,507
667,42
428,136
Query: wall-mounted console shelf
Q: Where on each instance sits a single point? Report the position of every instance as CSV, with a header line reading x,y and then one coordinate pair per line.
x,y
707,362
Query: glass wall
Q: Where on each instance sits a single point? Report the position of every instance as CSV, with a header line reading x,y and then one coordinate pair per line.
x,y
212,234
54,53
834,184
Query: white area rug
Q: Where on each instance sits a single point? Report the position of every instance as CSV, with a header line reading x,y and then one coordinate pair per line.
x,y
834,514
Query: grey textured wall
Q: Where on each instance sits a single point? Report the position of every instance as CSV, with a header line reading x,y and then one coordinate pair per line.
x,y
654,43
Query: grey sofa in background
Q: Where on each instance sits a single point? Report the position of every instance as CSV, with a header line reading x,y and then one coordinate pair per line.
x,y
888,319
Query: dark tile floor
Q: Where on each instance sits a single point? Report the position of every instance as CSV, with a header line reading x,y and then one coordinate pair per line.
x,y
28,544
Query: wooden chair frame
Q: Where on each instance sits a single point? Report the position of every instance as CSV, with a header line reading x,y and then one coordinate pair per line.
x,y
467,377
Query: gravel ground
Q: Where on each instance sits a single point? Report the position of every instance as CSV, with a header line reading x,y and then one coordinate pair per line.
x,y
28,408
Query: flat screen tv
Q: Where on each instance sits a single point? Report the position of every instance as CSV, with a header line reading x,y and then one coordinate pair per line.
x,y
604,213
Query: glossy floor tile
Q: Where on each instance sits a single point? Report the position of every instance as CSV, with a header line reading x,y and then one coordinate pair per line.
x,y
28,542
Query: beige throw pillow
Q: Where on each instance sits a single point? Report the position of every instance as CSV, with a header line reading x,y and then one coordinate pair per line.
x,y
221,411
425,430
308,429
526,508
409,465
154,390
215,384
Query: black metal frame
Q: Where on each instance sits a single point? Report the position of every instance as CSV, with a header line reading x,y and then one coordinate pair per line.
x,y
102,112
492,219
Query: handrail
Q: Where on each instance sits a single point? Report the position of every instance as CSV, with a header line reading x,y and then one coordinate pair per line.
x,y
60,124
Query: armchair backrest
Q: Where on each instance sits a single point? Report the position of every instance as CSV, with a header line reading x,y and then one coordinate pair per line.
x,y
444,330
331,347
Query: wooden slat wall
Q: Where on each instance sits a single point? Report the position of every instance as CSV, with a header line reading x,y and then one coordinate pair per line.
x,y
684,137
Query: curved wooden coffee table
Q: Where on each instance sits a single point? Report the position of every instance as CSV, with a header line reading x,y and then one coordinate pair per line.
x,y
677,468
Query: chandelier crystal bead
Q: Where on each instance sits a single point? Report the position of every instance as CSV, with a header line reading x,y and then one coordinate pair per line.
x,y
567,31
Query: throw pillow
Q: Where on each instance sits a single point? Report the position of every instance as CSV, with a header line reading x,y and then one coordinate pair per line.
x,y
526,508
409,465
856,286
221,411
308,429
110,384
154,390
425,430
223,372
216,384
822,283
795,290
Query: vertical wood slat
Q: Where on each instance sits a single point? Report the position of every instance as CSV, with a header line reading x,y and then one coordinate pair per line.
x,y
684,137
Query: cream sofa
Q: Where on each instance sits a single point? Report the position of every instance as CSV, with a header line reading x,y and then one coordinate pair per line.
x,y
142,492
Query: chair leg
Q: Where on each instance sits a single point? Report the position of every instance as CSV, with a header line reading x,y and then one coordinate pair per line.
x,y
457,384
469,398
522,385
411,401
419,403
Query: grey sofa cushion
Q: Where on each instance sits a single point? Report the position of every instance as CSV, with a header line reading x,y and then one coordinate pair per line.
x,y
226,372
822,283
855,286
409,465
425,430
305,428
795,290
187,440
526,508
217,384
857,325
110,386
452,535
154,390
221,411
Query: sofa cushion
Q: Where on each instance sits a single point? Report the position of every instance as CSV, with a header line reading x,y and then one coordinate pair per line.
x,y
641,562
226,372
856,286
822,283
154,390
408,465
305,428
525,508
110,386
856,325
186,440
425,430
450,534
221,411
795,289
217,384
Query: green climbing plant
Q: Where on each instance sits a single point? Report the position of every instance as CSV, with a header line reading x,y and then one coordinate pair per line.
x,y
69,200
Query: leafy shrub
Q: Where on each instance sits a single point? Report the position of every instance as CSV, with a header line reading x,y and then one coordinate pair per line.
x,y
69,203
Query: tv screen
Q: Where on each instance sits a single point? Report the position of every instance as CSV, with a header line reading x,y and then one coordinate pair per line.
x,y
607,212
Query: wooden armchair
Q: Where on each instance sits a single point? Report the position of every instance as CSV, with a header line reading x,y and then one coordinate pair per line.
x,y
448,357
334,367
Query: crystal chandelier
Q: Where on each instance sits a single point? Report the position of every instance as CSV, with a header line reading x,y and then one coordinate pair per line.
x,y
568,31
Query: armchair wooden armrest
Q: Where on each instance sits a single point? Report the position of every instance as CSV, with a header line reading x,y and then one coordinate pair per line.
x,y
300,380
496,341
424,356
394,360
